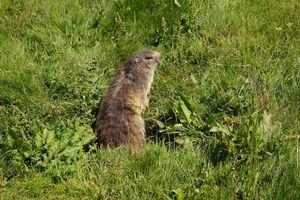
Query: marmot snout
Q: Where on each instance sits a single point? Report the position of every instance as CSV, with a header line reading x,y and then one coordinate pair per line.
x,y
119,120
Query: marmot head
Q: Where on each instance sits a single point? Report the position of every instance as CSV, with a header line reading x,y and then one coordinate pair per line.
x,y
149,58
146,59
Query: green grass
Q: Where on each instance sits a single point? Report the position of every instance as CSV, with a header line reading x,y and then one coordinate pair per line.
x,y
224,114
158,173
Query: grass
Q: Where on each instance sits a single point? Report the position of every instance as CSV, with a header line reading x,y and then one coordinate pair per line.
x,y
158,173
224,115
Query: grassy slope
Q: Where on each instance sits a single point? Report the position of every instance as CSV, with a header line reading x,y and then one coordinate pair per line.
x,y
234,64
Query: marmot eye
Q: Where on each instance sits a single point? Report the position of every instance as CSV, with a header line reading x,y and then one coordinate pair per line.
x,y
148,57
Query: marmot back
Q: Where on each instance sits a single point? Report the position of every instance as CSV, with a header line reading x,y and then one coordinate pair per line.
x,y
119,119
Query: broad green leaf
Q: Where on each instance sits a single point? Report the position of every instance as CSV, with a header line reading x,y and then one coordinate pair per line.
x,y
186,101
48,136
186,111
87,139
179,194
38,140
215,129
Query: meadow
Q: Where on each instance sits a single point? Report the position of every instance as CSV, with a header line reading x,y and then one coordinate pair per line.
x,y
224,115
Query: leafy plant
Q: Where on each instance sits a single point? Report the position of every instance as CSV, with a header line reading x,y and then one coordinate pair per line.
x,y
67,146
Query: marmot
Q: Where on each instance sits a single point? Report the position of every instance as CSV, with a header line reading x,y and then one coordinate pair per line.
x,y
119,120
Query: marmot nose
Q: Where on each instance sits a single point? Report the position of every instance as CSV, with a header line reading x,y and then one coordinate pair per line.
x,y
159,58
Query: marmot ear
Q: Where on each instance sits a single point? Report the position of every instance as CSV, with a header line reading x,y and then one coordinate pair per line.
x,y
137,60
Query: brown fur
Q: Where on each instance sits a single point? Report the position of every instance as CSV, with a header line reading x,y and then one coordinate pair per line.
x,y
119,120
